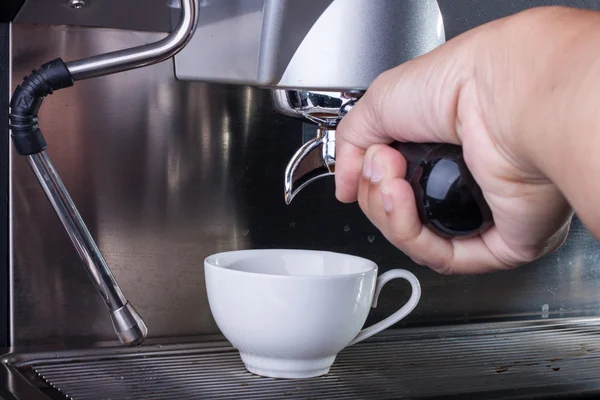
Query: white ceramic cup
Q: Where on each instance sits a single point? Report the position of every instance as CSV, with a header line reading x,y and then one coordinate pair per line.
x,y
290,312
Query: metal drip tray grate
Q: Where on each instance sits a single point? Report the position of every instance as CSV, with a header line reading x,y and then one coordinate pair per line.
x,y
500,361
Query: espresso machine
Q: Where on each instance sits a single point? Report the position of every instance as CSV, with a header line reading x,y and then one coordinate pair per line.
x,y
176,129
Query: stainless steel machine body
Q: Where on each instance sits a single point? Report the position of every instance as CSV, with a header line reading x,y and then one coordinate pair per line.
x,y
166,172
310,44
209,179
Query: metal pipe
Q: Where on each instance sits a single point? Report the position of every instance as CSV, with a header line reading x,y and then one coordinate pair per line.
x,y
29,141
140,56
76,229
127,323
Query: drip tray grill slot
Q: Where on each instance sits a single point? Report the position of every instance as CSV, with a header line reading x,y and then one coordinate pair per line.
x,y
496,361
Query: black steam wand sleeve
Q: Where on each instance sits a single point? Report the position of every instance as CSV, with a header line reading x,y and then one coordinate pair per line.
x,y
27,100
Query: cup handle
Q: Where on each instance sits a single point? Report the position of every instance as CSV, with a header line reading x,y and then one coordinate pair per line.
x,y
398,315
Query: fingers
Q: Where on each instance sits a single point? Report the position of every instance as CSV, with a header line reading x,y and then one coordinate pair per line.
x,y
357,132
388,201
415,102
380,161
348,167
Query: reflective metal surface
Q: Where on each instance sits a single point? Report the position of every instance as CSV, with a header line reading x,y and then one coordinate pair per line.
x,y
166,173
311,44
146,15
325,108
316,158
78,233
128,325
150,15
226,44
158,193
140,56
483,361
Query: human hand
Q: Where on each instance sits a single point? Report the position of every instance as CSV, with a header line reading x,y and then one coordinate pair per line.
x,y
478,91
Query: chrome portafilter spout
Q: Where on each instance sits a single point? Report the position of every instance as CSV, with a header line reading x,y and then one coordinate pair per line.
x,y
316,158
449,200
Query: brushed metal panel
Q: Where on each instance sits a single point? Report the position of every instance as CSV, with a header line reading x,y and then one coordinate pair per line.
x,y
226,44
307,44
166,172
145,180
145,15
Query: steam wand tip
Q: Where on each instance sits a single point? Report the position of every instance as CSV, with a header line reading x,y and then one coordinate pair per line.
x,y
129,326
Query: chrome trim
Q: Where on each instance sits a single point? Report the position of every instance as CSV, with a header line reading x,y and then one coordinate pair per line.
x,y
141,56
123,315
128,325
316,158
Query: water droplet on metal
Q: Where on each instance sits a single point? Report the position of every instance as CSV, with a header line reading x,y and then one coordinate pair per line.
x,y
77,3
545,311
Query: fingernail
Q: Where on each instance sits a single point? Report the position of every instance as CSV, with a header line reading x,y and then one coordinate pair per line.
x,y
367,167
377,171
386,199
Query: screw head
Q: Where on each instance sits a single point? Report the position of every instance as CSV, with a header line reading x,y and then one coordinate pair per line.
x,y
77,3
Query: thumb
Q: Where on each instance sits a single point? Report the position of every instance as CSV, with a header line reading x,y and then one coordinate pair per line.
x,y
414,102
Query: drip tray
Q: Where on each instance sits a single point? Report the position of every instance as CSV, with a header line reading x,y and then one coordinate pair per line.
x,y
509,360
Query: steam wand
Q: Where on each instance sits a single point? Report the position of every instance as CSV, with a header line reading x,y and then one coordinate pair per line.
x,y
29,141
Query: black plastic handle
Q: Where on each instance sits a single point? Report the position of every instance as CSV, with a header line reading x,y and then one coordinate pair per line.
x,y
449,200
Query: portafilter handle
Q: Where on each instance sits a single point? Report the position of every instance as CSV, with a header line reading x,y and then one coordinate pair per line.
x,y
449,200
